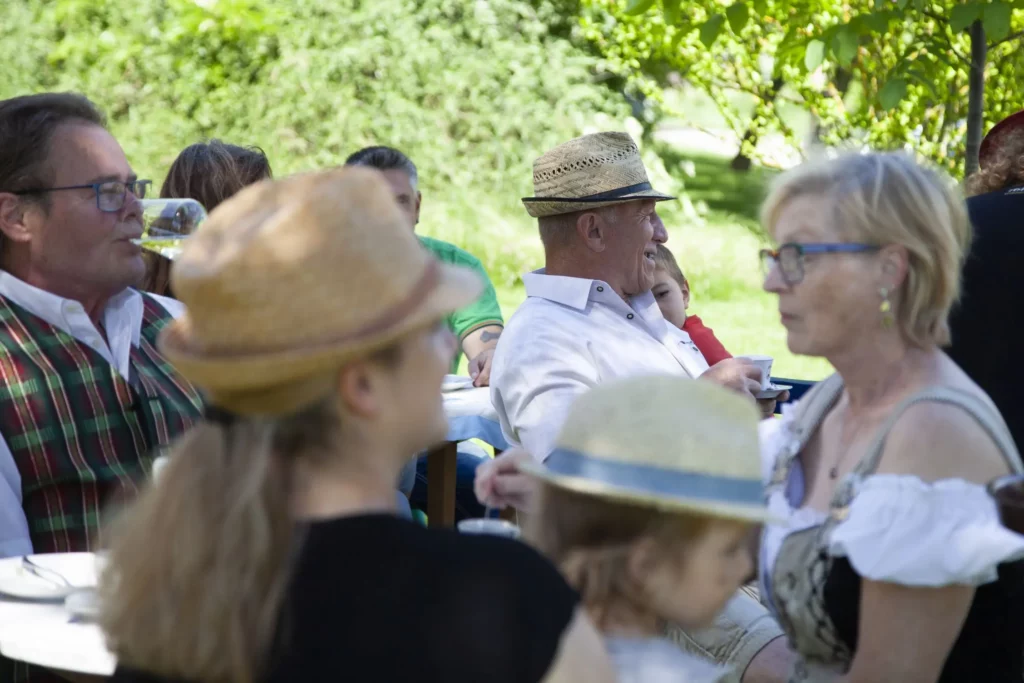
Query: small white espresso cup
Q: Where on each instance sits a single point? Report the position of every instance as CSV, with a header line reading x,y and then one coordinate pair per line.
x,y
765,363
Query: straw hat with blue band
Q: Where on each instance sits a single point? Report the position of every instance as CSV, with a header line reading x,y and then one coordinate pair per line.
x,y
671,443
589,172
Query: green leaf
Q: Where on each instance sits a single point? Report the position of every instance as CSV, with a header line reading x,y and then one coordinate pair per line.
x,y
996,20
710,30
636,7
902,4
814,55
845,46
877,22
670,8
761,6
963,16
738,15
892,93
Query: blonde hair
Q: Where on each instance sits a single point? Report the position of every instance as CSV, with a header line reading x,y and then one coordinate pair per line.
x,y
590,539
200,563
888,198
1004,167
665,260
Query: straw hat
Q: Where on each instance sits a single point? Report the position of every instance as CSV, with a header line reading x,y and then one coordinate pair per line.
x,y
289,279
667,442
992,140
587,173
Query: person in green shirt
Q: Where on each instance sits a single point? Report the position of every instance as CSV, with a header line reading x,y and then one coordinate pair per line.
x,y
478,326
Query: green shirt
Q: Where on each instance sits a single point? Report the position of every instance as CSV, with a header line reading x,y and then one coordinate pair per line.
x,y
481,313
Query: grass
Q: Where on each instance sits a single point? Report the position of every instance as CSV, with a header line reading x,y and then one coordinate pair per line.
x,y
717,249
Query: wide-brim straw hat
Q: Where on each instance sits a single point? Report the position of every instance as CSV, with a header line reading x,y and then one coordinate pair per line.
x,y
589,172
290,279
671,443
993,139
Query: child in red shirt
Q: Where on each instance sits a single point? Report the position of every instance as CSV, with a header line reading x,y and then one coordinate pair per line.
x,y
672,292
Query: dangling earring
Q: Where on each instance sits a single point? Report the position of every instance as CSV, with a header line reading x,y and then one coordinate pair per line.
x,y
886,309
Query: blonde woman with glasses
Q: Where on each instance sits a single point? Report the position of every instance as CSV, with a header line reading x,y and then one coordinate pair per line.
x,y
893,565
269,550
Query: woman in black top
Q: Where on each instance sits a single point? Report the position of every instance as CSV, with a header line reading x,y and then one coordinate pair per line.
x,y
988,323
269,551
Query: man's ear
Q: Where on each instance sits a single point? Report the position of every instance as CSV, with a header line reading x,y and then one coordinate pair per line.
x,y
591,229
419,203
685,289
14,218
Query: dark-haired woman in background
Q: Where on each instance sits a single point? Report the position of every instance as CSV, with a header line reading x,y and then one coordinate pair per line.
x,y
208,172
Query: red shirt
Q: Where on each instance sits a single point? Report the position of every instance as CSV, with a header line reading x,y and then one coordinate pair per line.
x,y
704,338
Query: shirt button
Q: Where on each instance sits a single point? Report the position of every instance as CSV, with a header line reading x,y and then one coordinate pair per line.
x,y
629,316
600,289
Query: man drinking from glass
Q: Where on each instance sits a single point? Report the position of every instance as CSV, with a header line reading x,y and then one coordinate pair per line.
x,y
86,400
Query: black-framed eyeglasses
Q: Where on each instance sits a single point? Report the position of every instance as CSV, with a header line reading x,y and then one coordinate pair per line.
x,y
110,194
789,257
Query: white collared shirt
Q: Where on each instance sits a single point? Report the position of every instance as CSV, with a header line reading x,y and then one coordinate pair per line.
x,y
122,321
572,334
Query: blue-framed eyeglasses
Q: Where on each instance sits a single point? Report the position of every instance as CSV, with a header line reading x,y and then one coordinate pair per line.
x,y
110,194
789,257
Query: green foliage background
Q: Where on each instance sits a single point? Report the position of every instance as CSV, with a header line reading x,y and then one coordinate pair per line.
x,y
472,91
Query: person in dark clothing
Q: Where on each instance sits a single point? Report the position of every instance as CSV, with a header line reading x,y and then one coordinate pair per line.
x,y
987,325
269,550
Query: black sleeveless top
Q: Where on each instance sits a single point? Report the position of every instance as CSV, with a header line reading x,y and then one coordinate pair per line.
x,y
376,598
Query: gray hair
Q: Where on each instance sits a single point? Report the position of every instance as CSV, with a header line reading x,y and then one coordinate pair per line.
x,y
385,159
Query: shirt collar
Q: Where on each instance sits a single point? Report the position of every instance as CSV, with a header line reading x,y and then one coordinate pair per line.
x,y
573,292
59,311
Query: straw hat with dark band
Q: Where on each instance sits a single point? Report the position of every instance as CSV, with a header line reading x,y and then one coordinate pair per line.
x,y
289,279
666,442
590,172
993,139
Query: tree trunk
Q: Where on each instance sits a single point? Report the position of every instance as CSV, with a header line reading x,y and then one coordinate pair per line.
x,y
741,162
975,97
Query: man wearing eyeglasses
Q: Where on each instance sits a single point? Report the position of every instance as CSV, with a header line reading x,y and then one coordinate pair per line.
x,y
86,400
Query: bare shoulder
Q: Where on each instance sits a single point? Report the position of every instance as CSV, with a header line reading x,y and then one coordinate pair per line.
x,y
935,441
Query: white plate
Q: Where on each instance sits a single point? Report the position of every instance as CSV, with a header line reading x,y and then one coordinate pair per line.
x,y
80,570
84,604
773,390
456,383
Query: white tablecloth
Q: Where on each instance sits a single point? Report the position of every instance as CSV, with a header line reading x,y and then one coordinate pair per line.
x,y
41,633
471,416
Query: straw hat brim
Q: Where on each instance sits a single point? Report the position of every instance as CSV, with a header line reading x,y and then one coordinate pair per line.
x,y
228,373
756,513
539,207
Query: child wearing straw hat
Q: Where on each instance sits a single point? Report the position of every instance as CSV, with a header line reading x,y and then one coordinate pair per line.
x,y
647,505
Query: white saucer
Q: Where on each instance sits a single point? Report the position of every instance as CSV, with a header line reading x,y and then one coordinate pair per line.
x,y
773,390
456,383
79,569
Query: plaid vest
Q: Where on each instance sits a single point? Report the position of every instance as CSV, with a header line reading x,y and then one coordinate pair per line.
x,y
82,435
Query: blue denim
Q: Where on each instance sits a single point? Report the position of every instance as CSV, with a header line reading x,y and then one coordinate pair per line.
x,y
466,504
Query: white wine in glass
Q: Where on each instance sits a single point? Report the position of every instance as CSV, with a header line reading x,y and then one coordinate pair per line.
x,y
167,222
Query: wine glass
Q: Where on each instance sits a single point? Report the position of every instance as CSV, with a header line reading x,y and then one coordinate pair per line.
x,y
167,222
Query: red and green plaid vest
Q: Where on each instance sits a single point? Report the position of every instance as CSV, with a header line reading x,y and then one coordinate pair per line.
x,y
83,436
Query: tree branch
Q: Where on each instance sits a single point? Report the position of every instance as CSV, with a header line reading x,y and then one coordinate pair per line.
x,y
1015,36
944,23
